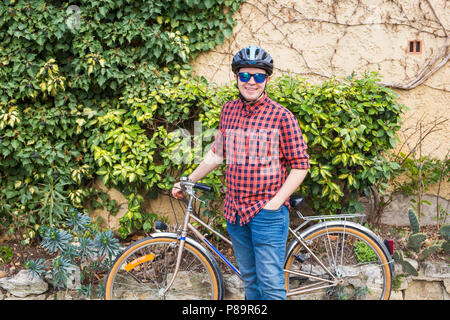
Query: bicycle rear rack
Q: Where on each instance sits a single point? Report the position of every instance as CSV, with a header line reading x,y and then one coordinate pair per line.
x,y
345,217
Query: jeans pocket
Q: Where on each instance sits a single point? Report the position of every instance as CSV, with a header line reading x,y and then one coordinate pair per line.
x,y
273,211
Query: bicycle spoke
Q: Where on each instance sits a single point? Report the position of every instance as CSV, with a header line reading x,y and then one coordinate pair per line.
x,y
360,272
309,276
145,272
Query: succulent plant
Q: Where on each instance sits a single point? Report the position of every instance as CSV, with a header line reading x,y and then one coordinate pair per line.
x,y
414,221
78,220
409,268
60,271
446,247
445,233
105,243
406,265
416,240
36,267
427,252
54,239
83,244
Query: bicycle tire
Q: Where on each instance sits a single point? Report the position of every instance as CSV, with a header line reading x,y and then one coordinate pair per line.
x,y
143,270
358,259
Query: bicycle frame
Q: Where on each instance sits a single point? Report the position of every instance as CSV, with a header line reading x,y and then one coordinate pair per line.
x,y
188,226
321,284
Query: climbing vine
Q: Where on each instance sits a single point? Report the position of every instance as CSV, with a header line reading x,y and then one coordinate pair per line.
x,y
62,67
319,31
348,128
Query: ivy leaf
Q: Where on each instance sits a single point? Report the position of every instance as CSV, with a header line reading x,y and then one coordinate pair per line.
x,y
227,32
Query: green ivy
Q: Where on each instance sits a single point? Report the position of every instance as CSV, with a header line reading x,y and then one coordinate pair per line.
x,y
114,45
349,127
139,145
6,254
108,94
63,67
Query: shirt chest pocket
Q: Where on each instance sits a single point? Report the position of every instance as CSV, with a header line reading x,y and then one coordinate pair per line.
x,y
263,147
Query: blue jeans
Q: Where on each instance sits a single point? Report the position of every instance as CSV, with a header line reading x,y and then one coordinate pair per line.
x,y
259,247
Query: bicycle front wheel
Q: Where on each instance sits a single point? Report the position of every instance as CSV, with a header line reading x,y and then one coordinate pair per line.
x,y
354,264
144,269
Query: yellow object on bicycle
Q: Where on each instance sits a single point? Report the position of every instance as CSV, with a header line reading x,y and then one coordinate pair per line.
x,y
133,264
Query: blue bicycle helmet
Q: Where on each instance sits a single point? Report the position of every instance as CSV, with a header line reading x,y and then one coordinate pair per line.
x,y
252,57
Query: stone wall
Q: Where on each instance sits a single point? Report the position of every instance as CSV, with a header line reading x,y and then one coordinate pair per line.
x,y
433,283
396,213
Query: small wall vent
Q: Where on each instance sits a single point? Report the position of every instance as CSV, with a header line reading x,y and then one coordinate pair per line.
x,y
415,46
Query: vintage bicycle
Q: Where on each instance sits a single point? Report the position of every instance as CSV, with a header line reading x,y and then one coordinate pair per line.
x,y
334,258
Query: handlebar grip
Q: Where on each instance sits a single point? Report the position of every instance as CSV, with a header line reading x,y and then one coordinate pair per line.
x,y
203,187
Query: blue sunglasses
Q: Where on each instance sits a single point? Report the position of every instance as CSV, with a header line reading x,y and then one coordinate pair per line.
x,y
245,77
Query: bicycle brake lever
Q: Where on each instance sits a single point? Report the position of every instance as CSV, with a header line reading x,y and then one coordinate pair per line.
x,y
198,199
189,189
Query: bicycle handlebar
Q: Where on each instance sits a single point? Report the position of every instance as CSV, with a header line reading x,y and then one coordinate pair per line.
x,y
201,186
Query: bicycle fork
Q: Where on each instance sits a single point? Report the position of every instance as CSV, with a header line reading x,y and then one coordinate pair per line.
x,y
182,239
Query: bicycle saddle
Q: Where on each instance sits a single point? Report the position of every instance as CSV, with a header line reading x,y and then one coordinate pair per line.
x,y
295,201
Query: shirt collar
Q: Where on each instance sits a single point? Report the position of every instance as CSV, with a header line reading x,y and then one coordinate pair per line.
x,y
251,109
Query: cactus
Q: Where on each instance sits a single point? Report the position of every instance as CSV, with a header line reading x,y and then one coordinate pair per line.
x,y
445,232
406,265
398,256
409,268
414,221
426,253
446,247
416,240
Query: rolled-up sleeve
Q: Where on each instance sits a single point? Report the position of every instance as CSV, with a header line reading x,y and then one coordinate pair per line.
x,y
292,143
217,146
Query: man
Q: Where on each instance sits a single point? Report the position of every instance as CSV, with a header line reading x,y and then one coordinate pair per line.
x,y
259,140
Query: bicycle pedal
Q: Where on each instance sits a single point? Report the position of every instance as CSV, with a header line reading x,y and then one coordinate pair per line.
x,y
300,257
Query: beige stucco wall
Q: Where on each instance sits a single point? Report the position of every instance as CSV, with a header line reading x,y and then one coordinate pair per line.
x,y
321,39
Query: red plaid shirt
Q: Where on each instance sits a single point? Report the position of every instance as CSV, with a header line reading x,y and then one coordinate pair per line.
x,y
258,144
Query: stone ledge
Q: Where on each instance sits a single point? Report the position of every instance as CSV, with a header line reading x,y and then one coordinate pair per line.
x,y
432,283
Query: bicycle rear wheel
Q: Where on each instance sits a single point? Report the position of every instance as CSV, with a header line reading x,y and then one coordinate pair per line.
x,y
358,260
144,269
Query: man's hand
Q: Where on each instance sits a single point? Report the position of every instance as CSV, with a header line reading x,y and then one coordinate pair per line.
x,y
209,163
293,180
273,204
177,193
